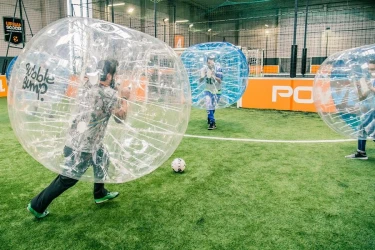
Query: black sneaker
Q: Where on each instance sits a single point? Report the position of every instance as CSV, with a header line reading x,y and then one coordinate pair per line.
x,y
212,126
357,155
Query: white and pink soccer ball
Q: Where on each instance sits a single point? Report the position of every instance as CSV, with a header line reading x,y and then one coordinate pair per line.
x,y
178,165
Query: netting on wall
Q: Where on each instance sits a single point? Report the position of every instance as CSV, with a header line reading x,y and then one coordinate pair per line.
x,y
35,14
331,27
255,61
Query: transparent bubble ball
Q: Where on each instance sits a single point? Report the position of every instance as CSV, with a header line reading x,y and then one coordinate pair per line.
x,y
8,72
230,66
343,92
67,120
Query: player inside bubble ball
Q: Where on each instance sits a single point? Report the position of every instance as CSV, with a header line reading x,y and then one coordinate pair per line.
x,y
366,94
84,146
344,95
212,76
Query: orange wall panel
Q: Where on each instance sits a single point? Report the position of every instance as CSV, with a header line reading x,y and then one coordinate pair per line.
x,y
279,93
303,95
314,69
72,89
179,41
271,69
3,86
258,94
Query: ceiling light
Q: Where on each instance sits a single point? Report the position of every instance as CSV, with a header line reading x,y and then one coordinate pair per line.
x,y
182,21
130,10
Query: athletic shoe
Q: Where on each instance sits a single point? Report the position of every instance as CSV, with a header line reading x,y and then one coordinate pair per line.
x,y
212,126
357,155
35,213
109,196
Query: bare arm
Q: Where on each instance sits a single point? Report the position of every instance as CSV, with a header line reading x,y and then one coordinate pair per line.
x,y
121,111
218,74
364,88
218,79
203,75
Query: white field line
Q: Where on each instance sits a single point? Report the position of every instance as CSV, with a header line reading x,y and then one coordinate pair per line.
x,y
268,141
249,139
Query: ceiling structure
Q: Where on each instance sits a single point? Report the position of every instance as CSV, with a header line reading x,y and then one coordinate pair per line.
x,y
229,9
215,4
240,5
221,5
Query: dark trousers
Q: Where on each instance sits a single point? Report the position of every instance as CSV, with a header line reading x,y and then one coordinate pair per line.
x,y
362,145
211,103
58,186
211,116
362,132
61,183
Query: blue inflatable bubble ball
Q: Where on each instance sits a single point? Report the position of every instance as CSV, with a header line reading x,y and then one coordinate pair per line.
x,y
216,69
344,92
97,101
8,72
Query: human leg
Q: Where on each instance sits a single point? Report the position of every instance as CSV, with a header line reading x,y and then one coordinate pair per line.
x,y
210,109
100,167
61,183
210,118
102,195
362,137
370,128
365,127
215,103
362,146
360,154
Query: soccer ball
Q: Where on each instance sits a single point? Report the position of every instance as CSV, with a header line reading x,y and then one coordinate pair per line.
x,y
178,165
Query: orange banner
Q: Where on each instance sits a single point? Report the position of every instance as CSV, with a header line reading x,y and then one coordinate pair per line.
x,y
279,93
72,89
3,86
179,41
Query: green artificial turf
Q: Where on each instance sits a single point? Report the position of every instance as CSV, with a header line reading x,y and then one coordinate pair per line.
x,y
232,195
